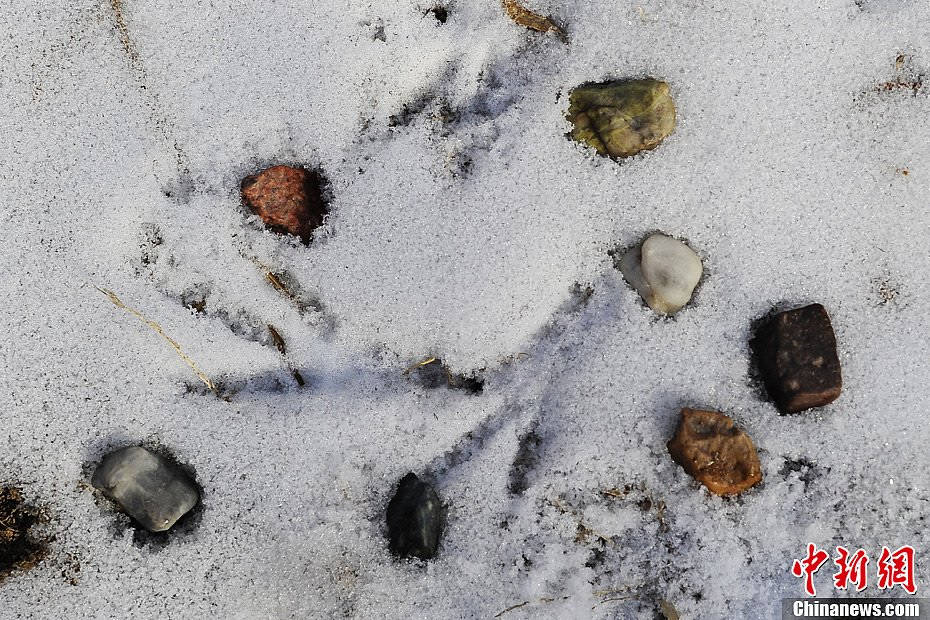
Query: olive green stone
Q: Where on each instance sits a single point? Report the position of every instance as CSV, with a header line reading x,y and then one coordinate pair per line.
x,y
622,118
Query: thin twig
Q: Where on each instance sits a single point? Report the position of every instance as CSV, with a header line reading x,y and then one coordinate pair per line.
x,y
277,339
281,346
271,277
158,330
544,599
419,364
621,593
512,607
277,283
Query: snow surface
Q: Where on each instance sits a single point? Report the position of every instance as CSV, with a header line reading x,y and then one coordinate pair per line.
x,y
461,221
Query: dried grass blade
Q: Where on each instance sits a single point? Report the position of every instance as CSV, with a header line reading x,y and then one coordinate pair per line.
x,y
158,330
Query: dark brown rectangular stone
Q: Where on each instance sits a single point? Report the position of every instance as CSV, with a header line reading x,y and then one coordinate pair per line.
x,y
796,353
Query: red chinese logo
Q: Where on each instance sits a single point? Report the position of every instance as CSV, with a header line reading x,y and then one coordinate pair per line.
x,y
897,569
894,568
851,569
808,566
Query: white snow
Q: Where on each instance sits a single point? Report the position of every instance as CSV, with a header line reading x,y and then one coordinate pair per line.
x,y
460,239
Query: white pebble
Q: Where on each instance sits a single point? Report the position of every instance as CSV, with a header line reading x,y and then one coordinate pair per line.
x,y
664,271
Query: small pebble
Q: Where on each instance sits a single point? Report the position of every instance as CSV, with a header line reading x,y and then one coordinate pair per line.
x,y
664,271
414,519
710,447
622,118
796,352
149,488
288,200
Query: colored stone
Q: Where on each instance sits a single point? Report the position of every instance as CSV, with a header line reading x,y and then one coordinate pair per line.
x,y
664,271
796,353
149,488
414,519
288,200
710,447
622,118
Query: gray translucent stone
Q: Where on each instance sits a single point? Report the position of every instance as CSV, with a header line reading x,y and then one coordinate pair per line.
x,y
149,488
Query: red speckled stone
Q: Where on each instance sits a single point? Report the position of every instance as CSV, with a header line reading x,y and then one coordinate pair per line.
x,y
288,200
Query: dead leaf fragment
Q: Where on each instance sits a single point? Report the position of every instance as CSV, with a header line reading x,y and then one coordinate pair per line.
x,y
668,610
277,339
528,19
281,346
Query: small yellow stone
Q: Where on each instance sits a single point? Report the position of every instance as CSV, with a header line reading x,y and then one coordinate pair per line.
x,y
622,118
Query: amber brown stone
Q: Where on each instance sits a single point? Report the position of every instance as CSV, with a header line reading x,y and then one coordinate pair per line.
x,y
796,353
708,446
288,200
